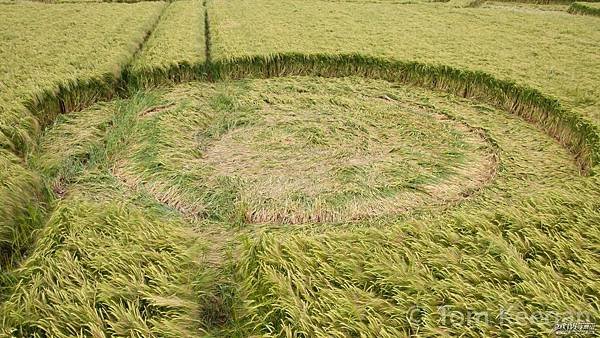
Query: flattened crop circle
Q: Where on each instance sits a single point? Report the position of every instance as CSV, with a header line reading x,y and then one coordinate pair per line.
x,y
306,150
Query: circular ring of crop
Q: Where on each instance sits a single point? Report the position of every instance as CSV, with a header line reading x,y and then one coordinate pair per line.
x,y
304,150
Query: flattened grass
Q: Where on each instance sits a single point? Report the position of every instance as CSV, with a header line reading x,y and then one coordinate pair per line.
x,y
411,277
512,244
105,269
109,261
524,244
20,195
304,150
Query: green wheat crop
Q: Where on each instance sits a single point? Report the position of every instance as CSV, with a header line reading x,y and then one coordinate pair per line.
x,y
488,39
585,8
176,47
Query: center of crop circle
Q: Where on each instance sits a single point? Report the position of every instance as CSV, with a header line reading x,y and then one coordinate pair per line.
x,y
325,157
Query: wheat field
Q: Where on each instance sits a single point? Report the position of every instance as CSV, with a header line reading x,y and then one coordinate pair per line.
x,y
318,168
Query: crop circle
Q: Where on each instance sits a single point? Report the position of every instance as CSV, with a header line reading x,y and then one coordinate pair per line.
x,y
307,150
